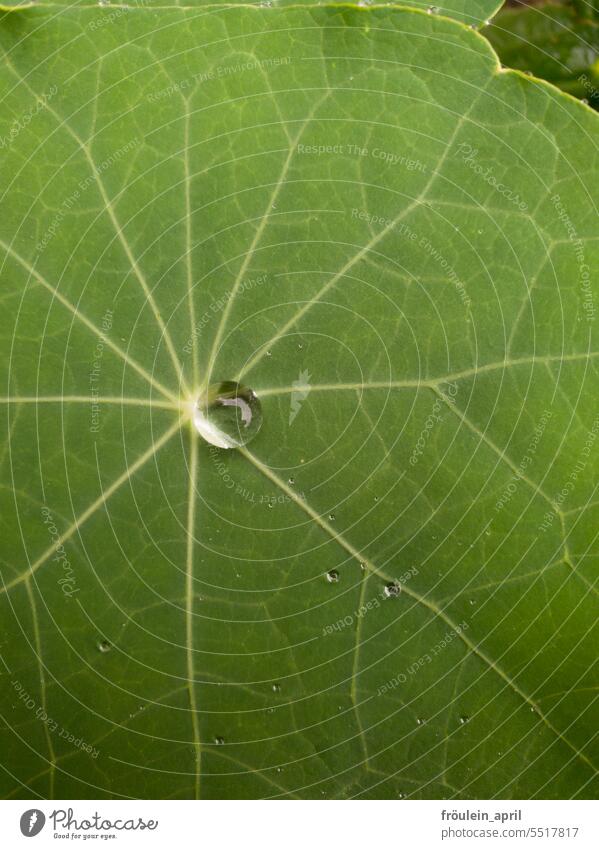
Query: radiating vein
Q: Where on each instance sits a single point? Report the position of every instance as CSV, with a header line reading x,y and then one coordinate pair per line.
x,y
449,377
95,506
365,249
409,591
188,240
88,399
63,123
258,236
86,321
191,511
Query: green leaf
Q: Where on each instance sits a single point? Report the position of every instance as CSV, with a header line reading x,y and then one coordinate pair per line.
x,y
472,12
555,43
391,590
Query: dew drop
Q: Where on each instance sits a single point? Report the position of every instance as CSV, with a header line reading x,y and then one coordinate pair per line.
x,y
228,415
420,721
269,353
432,10
291,481
392,590
104,646
333,576
331,517
276,688
219,741
464,720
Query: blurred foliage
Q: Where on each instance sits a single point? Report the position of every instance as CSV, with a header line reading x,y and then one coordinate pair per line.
x,y
558,43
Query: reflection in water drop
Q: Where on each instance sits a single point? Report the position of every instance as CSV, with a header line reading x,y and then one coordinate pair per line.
x,y
228,415
104,646
464,720
219,741
333,576
392,590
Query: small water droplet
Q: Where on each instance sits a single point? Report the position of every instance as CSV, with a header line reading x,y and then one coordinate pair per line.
x,y
472,602
291,481
219,741
228,415
104,646
333,576
269,353
464,720
432,10
331,517
276,688
585,101
420,721
392,590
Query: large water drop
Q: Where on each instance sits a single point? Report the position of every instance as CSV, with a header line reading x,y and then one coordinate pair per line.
x,y
228,414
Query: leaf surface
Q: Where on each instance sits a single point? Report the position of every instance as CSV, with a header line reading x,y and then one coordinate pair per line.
x,y
302,199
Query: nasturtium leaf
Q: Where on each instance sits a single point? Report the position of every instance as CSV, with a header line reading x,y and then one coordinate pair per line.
x,y
359,216
472,12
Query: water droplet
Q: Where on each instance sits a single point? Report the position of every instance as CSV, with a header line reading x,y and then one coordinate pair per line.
x,y
291,481
420,721
331,517
464,720
392,590
276,688
585,101
228,415
219,741
432,10
269,353
333,576
104,646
